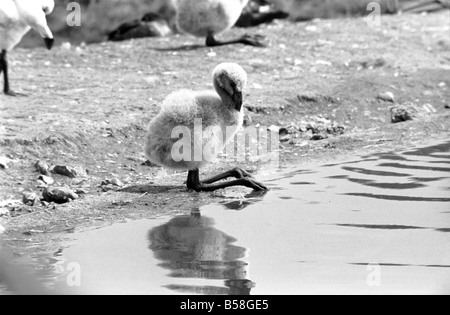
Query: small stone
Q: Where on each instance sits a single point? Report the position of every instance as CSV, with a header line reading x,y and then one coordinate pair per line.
x,y
149,163
10,205
323,120
379,62
318,137
256,109
405,112
4,212
46,179
41,167
303,144
68,171
108,187
285,138
41,184
134,158
153,79
113,182
428,108
324,63
447,106
30,198
386,96
79,51
116,182
4,161
59,195
2,230
66,46
247,120
45,203
303,128
285,134
311,28
81,191
80,182
312,126
64,171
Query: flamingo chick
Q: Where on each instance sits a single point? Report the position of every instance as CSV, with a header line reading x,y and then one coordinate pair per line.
x,y
203,118
17,17
207,18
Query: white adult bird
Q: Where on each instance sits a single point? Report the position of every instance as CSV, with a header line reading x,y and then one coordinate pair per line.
x,y
207,121
17,17
207,18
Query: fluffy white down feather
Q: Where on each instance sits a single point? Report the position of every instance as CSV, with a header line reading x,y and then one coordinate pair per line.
x,y
219,123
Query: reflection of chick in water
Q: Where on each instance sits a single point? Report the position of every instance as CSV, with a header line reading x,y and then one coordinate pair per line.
x,y
192,248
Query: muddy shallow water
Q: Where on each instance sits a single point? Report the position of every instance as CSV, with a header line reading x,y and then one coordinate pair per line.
x,y
376,225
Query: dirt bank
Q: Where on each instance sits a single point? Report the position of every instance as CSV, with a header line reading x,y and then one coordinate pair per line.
x,y
89,107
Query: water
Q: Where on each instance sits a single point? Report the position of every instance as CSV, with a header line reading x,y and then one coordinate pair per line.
x,y
376,225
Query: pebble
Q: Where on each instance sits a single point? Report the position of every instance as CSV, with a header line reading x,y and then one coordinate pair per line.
x,y
303,144
30,198
9,205
41,184
285,132
113,181
79,51
405,112
41,167
2,229
59,195
68,171
64,171
311,28
81,191
4,161
247,120
386,96
66,46
149,163
4,212
152,79
324,63
46,180
429,108
45,204
318,137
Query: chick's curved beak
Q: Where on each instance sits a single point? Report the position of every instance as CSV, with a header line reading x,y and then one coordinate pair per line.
x,y
49,42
